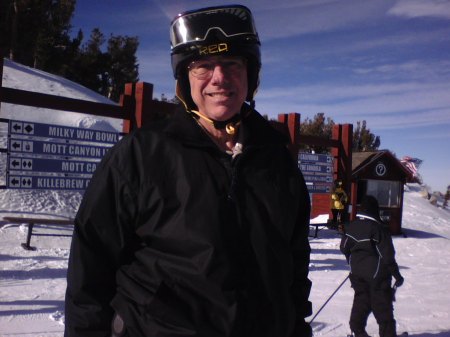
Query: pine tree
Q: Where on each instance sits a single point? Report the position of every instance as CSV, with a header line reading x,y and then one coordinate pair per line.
x,y
90,68
363,139
123,67
36,33
8,27
53,46
318,126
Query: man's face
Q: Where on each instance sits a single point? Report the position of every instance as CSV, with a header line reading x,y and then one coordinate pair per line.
x,y
218,85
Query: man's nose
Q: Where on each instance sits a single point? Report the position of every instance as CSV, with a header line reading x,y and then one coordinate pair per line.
x,y
219,74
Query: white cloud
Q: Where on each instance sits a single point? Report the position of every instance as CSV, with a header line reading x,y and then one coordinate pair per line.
x,y
335,93
410,120
386,106
419,70
287,18
431,134
421,8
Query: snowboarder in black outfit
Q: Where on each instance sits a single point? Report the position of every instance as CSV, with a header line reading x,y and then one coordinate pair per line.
x,y
369,250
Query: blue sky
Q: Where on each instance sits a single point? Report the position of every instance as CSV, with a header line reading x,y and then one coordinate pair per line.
x,y
383,61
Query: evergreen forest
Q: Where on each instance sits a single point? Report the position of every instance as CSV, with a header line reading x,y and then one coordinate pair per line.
x,y
37,33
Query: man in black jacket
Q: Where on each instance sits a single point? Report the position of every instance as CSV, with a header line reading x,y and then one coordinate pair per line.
x,y
196,225
369,250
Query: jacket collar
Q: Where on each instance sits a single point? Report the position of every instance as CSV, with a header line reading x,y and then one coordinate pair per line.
x,y
183,127
253,131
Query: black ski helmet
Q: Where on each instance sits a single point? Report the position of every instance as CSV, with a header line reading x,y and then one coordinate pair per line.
x,y
220,30
369,206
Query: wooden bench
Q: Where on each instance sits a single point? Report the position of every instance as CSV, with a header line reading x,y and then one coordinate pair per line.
x,y
317,225
329,226
31,222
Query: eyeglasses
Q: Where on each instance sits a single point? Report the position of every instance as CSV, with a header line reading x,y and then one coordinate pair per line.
x,y
194,26
204,69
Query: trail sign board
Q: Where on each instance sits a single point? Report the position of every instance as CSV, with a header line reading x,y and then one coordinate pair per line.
x,y
317,170
54,157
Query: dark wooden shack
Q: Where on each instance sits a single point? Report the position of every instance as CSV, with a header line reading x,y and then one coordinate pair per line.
x,y
382,175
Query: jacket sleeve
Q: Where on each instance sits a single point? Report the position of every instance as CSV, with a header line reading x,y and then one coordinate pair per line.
x,y
301,257
387,251
98,248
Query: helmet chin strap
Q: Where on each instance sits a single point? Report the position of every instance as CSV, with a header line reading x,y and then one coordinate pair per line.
x,y
230,125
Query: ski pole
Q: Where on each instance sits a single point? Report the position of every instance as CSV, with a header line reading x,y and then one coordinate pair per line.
x,y
329,298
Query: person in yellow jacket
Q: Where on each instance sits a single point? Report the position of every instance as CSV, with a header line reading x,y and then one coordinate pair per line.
x,y
338,201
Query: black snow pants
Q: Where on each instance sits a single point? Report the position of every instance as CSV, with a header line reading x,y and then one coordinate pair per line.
x,y
375,297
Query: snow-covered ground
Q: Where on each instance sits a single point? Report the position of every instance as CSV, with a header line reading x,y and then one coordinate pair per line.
x,y
32,283
423,302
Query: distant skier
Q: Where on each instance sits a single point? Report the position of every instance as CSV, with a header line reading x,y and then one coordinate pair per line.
x,y
446,197
369,250
338,201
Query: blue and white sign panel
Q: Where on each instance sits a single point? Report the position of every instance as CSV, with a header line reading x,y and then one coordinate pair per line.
x,y
317,170
315,158
57,149
313,168
61,132
318,179
47,183
47,165
318,187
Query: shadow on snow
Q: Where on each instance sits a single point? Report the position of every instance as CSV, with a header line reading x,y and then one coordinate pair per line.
x,y
50,306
